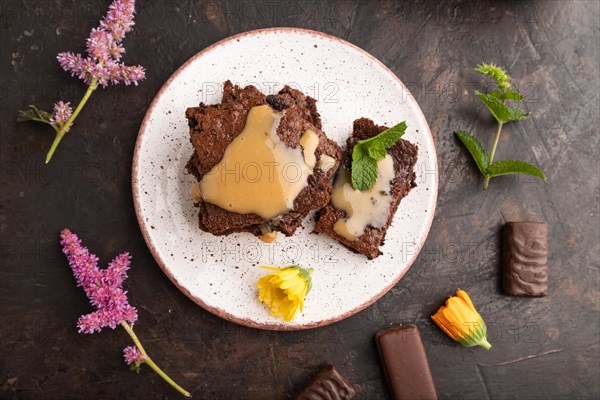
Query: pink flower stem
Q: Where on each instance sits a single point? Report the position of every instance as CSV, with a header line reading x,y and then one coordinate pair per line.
x,y
61,132
149,361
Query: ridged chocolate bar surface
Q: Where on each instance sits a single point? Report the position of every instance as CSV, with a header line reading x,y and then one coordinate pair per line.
x,y
329,384
525,255
405,363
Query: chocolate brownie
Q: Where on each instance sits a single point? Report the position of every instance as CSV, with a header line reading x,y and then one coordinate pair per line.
x,y
214,127
404,155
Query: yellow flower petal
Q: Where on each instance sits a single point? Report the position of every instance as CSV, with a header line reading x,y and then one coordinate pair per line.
x,y
270,267
463,295
462,309
291,282
460,320
455,322
284,290
445,325
296,290
288,274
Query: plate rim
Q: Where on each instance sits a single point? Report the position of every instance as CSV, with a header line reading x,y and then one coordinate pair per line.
x,y
220,312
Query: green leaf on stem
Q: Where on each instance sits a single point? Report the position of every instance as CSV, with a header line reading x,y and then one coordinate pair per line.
x,y
517,114
508,94
506,167
35,114
499,110
135,367
476,149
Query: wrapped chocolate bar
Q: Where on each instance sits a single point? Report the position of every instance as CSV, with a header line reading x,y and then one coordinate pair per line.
x,y
405,363
328,384
525,257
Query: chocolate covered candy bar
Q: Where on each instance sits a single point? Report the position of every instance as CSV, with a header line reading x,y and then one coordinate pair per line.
x,y
329,384
525,255
405,363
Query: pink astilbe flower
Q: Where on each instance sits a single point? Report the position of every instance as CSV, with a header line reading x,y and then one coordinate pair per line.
x,y
101,66
119,19
104,49
133,356
72,63
102,287
62,113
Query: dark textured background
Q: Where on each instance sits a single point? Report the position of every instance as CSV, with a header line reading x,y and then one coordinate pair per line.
x,y
542,348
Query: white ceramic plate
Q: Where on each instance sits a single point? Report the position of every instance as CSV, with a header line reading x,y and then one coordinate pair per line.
x,y
220,273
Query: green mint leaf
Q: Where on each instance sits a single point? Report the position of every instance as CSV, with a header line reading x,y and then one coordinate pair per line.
x,y
495,103
507,95
498,94
512,95
476,149
498,74
387,138
517,114
364,169
376,152
499,110
367,152
506,167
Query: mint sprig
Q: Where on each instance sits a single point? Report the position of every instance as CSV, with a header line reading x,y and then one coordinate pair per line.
x,y
495,101
367,152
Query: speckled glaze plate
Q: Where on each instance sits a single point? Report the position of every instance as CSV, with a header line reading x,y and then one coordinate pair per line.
x,y
220,273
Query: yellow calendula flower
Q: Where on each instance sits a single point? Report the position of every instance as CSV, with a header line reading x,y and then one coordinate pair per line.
x,y
284,291
461,321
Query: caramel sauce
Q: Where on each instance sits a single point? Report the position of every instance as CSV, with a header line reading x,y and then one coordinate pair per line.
x,y
309,142
269,237
258,172
326,162
370,207
195,192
